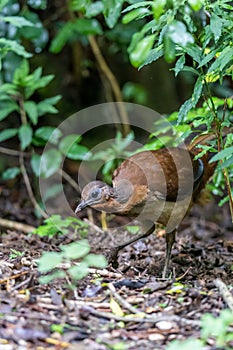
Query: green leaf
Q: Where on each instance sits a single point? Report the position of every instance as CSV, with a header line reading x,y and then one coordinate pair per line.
x,y
138,4
52,276
21,73
194,51
96,260
17,21
31,110
12,45
227,163
112,11
136,14
191,343
48,133
35,163
7,134
77,272
169,48
159,7
87,26
223,60
8,89
94,9
222,154
46,106
179,64
76,250
196,5
208,58
3,3
10,173
133,229
184,109
216,26
25,136
141,51
71,30
48,261
153,55
69,147
50,162
64,35
178,33
197,90
34,82
7,106
68,141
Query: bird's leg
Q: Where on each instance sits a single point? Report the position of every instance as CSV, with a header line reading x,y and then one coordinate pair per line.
x,y
112,259
170,239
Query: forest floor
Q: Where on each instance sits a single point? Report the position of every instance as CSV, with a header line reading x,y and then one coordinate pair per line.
x,y
130,308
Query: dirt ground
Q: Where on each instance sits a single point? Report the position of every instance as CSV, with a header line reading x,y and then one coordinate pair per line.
x,y
128,308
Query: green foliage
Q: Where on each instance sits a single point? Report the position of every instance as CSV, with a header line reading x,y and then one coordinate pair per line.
x,y
178,31
57,225
19,86
113,155
15,254
71,31
213,327
194,37
192,343
80,250
50,261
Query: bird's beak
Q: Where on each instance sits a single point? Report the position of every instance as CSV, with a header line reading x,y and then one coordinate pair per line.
x,y
82,205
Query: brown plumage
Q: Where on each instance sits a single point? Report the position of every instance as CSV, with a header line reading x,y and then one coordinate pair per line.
x,y
155,187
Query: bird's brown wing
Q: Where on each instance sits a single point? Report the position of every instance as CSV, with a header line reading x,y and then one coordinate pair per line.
x,y
171,173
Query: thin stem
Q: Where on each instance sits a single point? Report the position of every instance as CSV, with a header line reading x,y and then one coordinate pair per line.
x,y
69,179
13,152
112,81
218,130
29,188
22,111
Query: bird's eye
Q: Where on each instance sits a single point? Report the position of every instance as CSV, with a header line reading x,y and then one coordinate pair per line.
x,y
96,193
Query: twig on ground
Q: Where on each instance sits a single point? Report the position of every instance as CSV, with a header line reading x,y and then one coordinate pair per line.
x,y
4,280
184,274
17,226
97,228
224,292
147,318
122,301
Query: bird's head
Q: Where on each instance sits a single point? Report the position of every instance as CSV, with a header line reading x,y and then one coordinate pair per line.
x,y
101,196
95,194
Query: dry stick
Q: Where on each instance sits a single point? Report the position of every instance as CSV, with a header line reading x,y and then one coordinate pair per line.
x,y
97,228
17,226
12,152
29,188
139,319
69,179
112,81
14,276
122,301
224,292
